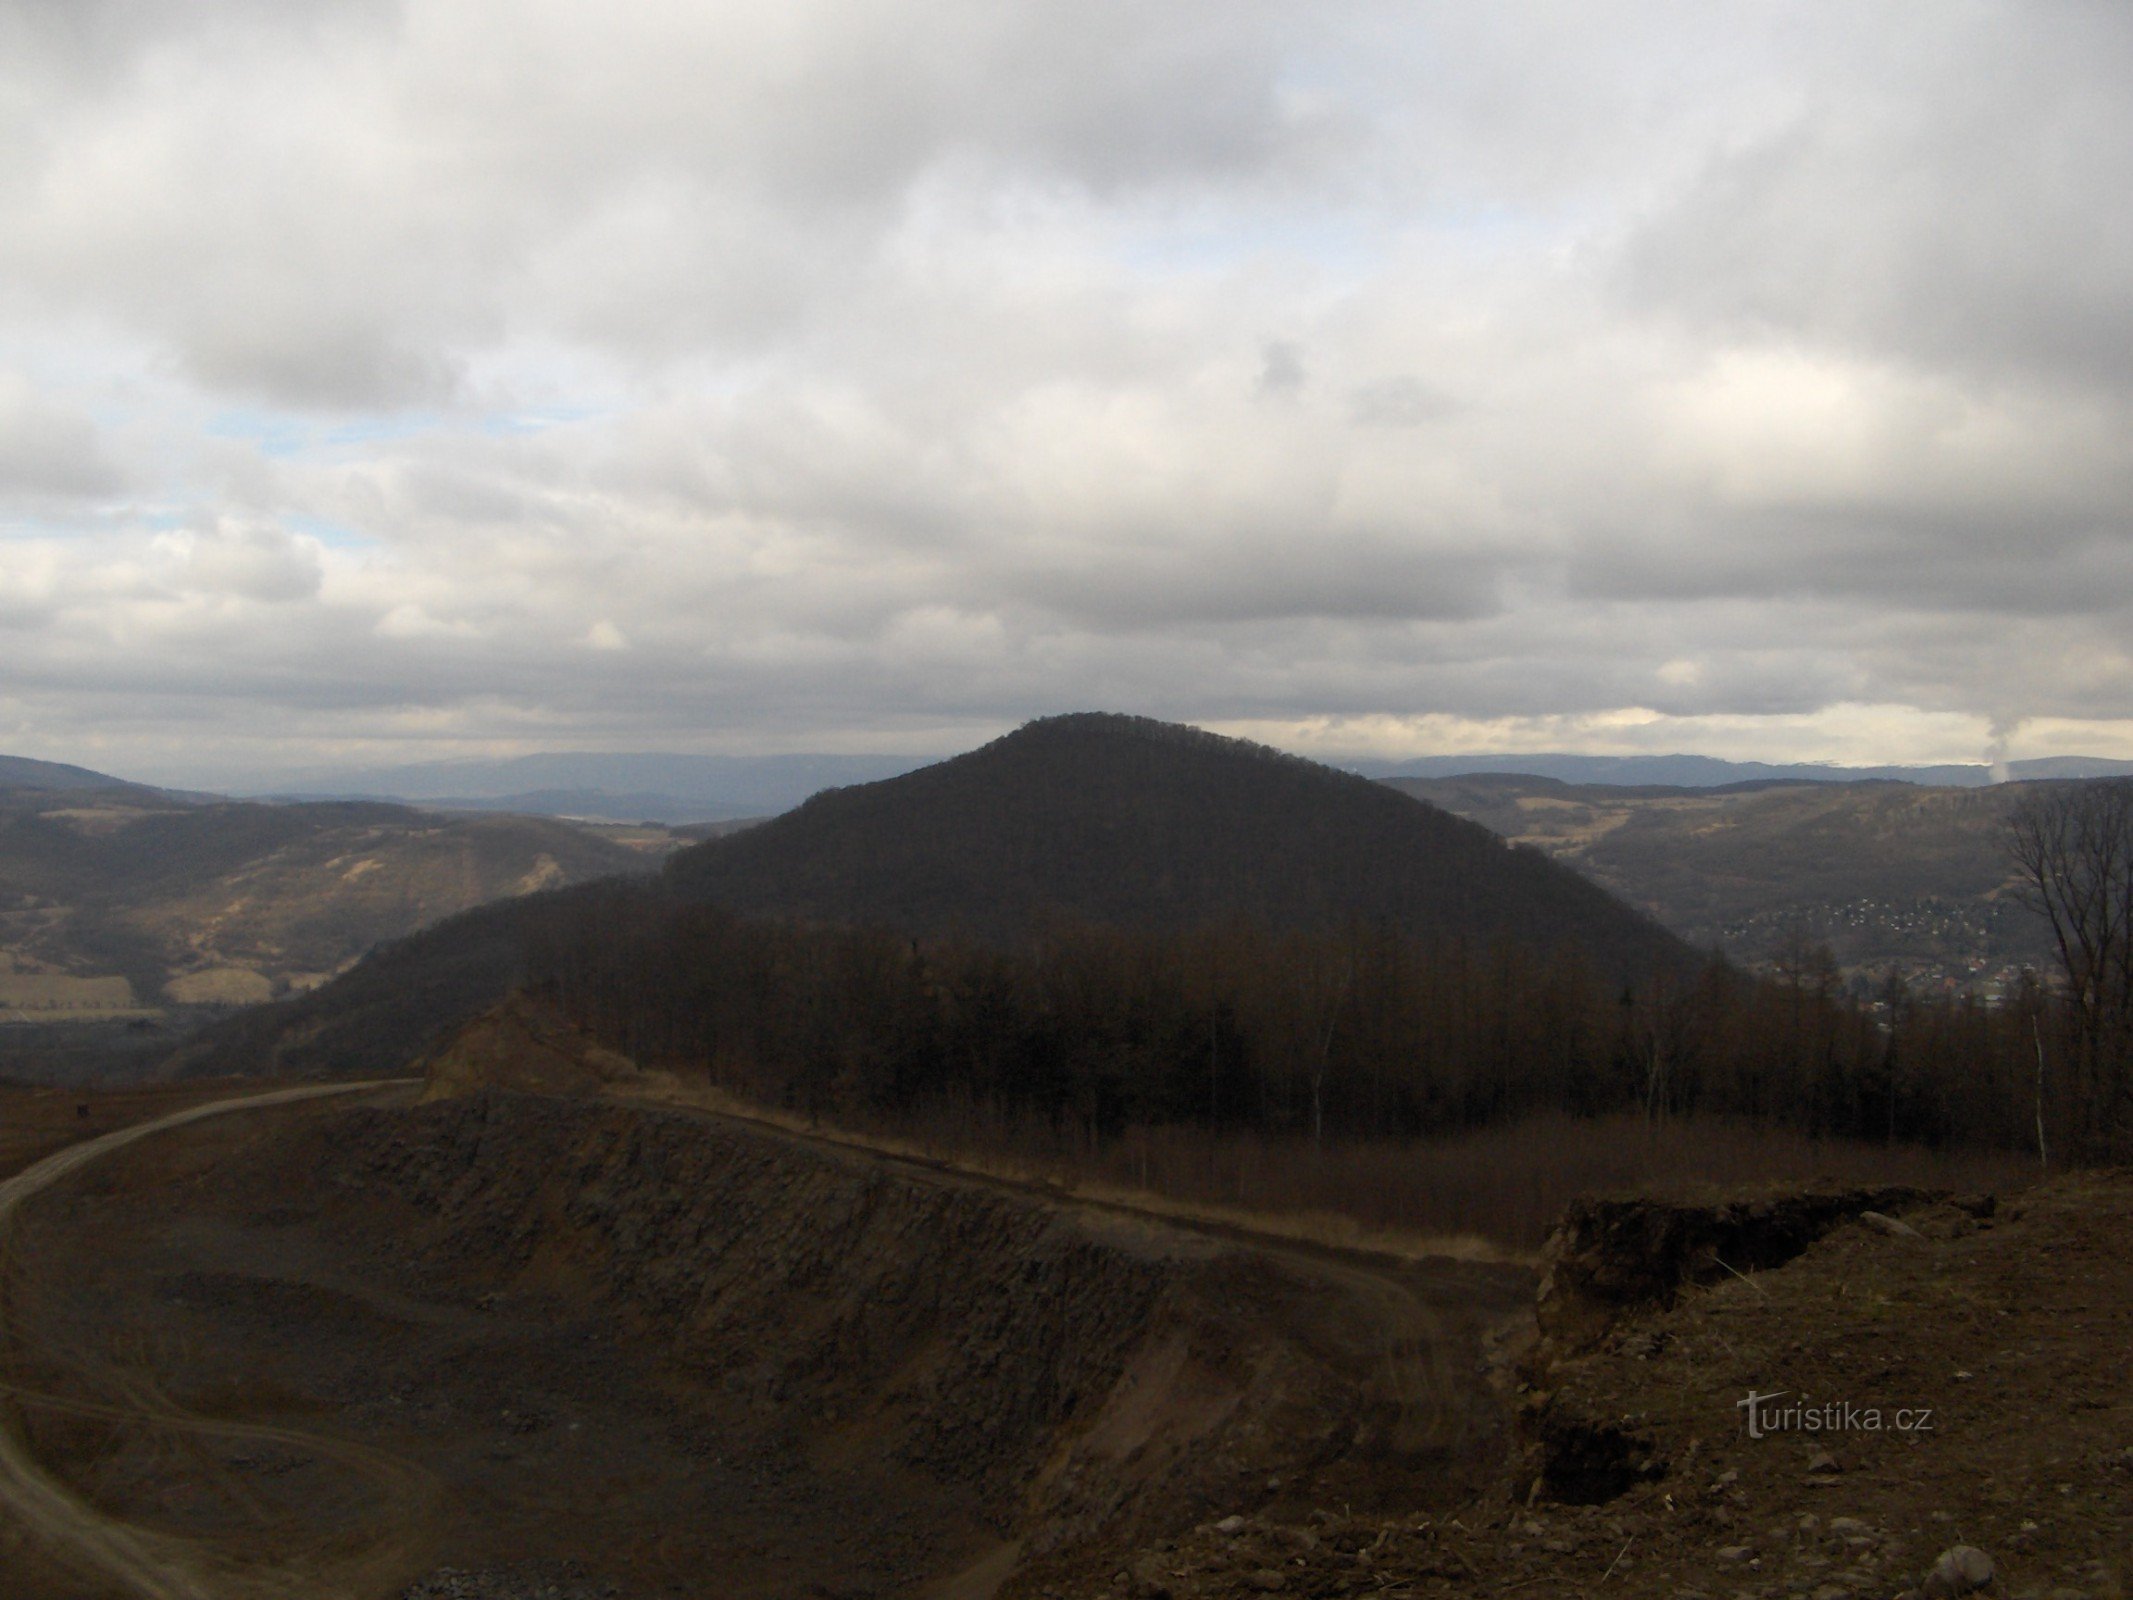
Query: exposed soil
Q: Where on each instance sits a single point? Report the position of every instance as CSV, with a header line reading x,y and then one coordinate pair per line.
x,y
1969,1384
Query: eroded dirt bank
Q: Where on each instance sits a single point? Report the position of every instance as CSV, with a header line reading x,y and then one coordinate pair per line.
x,y
1843,1403
665,1355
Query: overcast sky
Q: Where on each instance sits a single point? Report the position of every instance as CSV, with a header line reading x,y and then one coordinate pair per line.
x,y
393,380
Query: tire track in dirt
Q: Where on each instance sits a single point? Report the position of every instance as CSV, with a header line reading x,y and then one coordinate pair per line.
x,y
154,1567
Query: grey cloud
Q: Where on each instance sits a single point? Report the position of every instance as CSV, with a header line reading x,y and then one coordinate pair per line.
x,y
316,364
1282,373
341,227
2034,564
1402,402
1163,588
50,451
1948,207
909,365
251,563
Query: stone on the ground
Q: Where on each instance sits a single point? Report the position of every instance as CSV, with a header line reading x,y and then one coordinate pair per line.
x,y
1958,1570
1894,1227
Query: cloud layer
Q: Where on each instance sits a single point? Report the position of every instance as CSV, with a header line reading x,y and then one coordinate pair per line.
x,y
387,378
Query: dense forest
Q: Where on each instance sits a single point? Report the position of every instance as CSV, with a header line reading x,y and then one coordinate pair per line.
x,y
1362,1032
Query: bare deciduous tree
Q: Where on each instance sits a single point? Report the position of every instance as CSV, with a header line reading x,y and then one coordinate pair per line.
x,y
2073,844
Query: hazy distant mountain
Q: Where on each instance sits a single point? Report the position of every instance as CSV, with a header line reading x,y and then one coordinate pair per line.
x,y
623,788
19,772
594,805
1886,873
1705,772
1126,821
672,789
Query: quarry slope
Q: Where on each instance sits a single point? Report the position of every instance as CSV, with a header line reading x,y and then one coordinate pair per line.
x,y
746,1362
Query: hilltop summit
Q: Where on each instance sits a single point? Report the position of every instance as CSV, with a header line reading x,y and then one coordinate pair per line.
x,y
1139,823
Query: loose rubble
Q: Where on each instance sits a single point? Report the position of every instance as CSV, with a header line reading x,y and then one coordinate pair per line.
x,y
536,1581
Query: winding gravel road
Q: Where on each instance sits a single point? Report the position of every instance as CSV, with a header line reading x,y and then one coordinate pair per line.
x,y
151,1567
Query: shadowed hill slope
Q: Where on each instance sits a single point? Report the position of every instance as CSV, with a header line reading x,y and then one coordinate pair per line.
x,y
20,772
1143,824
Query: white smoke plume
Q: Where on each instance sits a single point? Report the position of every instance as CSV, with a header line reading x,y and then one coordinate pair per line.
x,y
2001,736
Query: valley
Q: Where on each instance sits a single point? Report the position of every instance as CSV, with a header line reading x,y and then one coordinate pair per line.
x,y
134,916
1891,877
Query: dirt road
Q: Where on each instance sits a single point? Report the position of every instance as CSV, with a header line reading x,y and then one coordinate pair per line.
x,y
148,1566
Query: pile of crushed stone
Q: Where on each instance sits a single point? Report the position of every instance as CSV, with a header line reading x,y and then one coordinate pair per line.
x,y
538,1580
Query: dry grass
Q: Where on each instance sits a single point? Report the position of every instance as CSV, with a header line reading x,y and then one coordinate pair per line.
x,y
1040,1164
35,1120
1491,1193
53,996
1505,1185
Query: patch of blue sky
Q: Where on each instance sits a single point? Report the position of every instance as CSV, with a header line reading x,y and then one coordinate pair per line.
x,y
333,535
382,429
286,438
276,435
509,424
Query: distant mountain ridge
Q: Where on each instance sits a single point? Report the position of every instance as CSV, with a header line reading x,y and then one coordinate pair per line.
x,y
118,901
660,788
20,772
670,789
1890,875
1708,772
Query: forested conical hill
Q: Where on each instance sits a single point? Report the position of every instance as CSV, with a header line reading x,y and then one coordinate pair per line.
x,y
1144,824
1085,819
